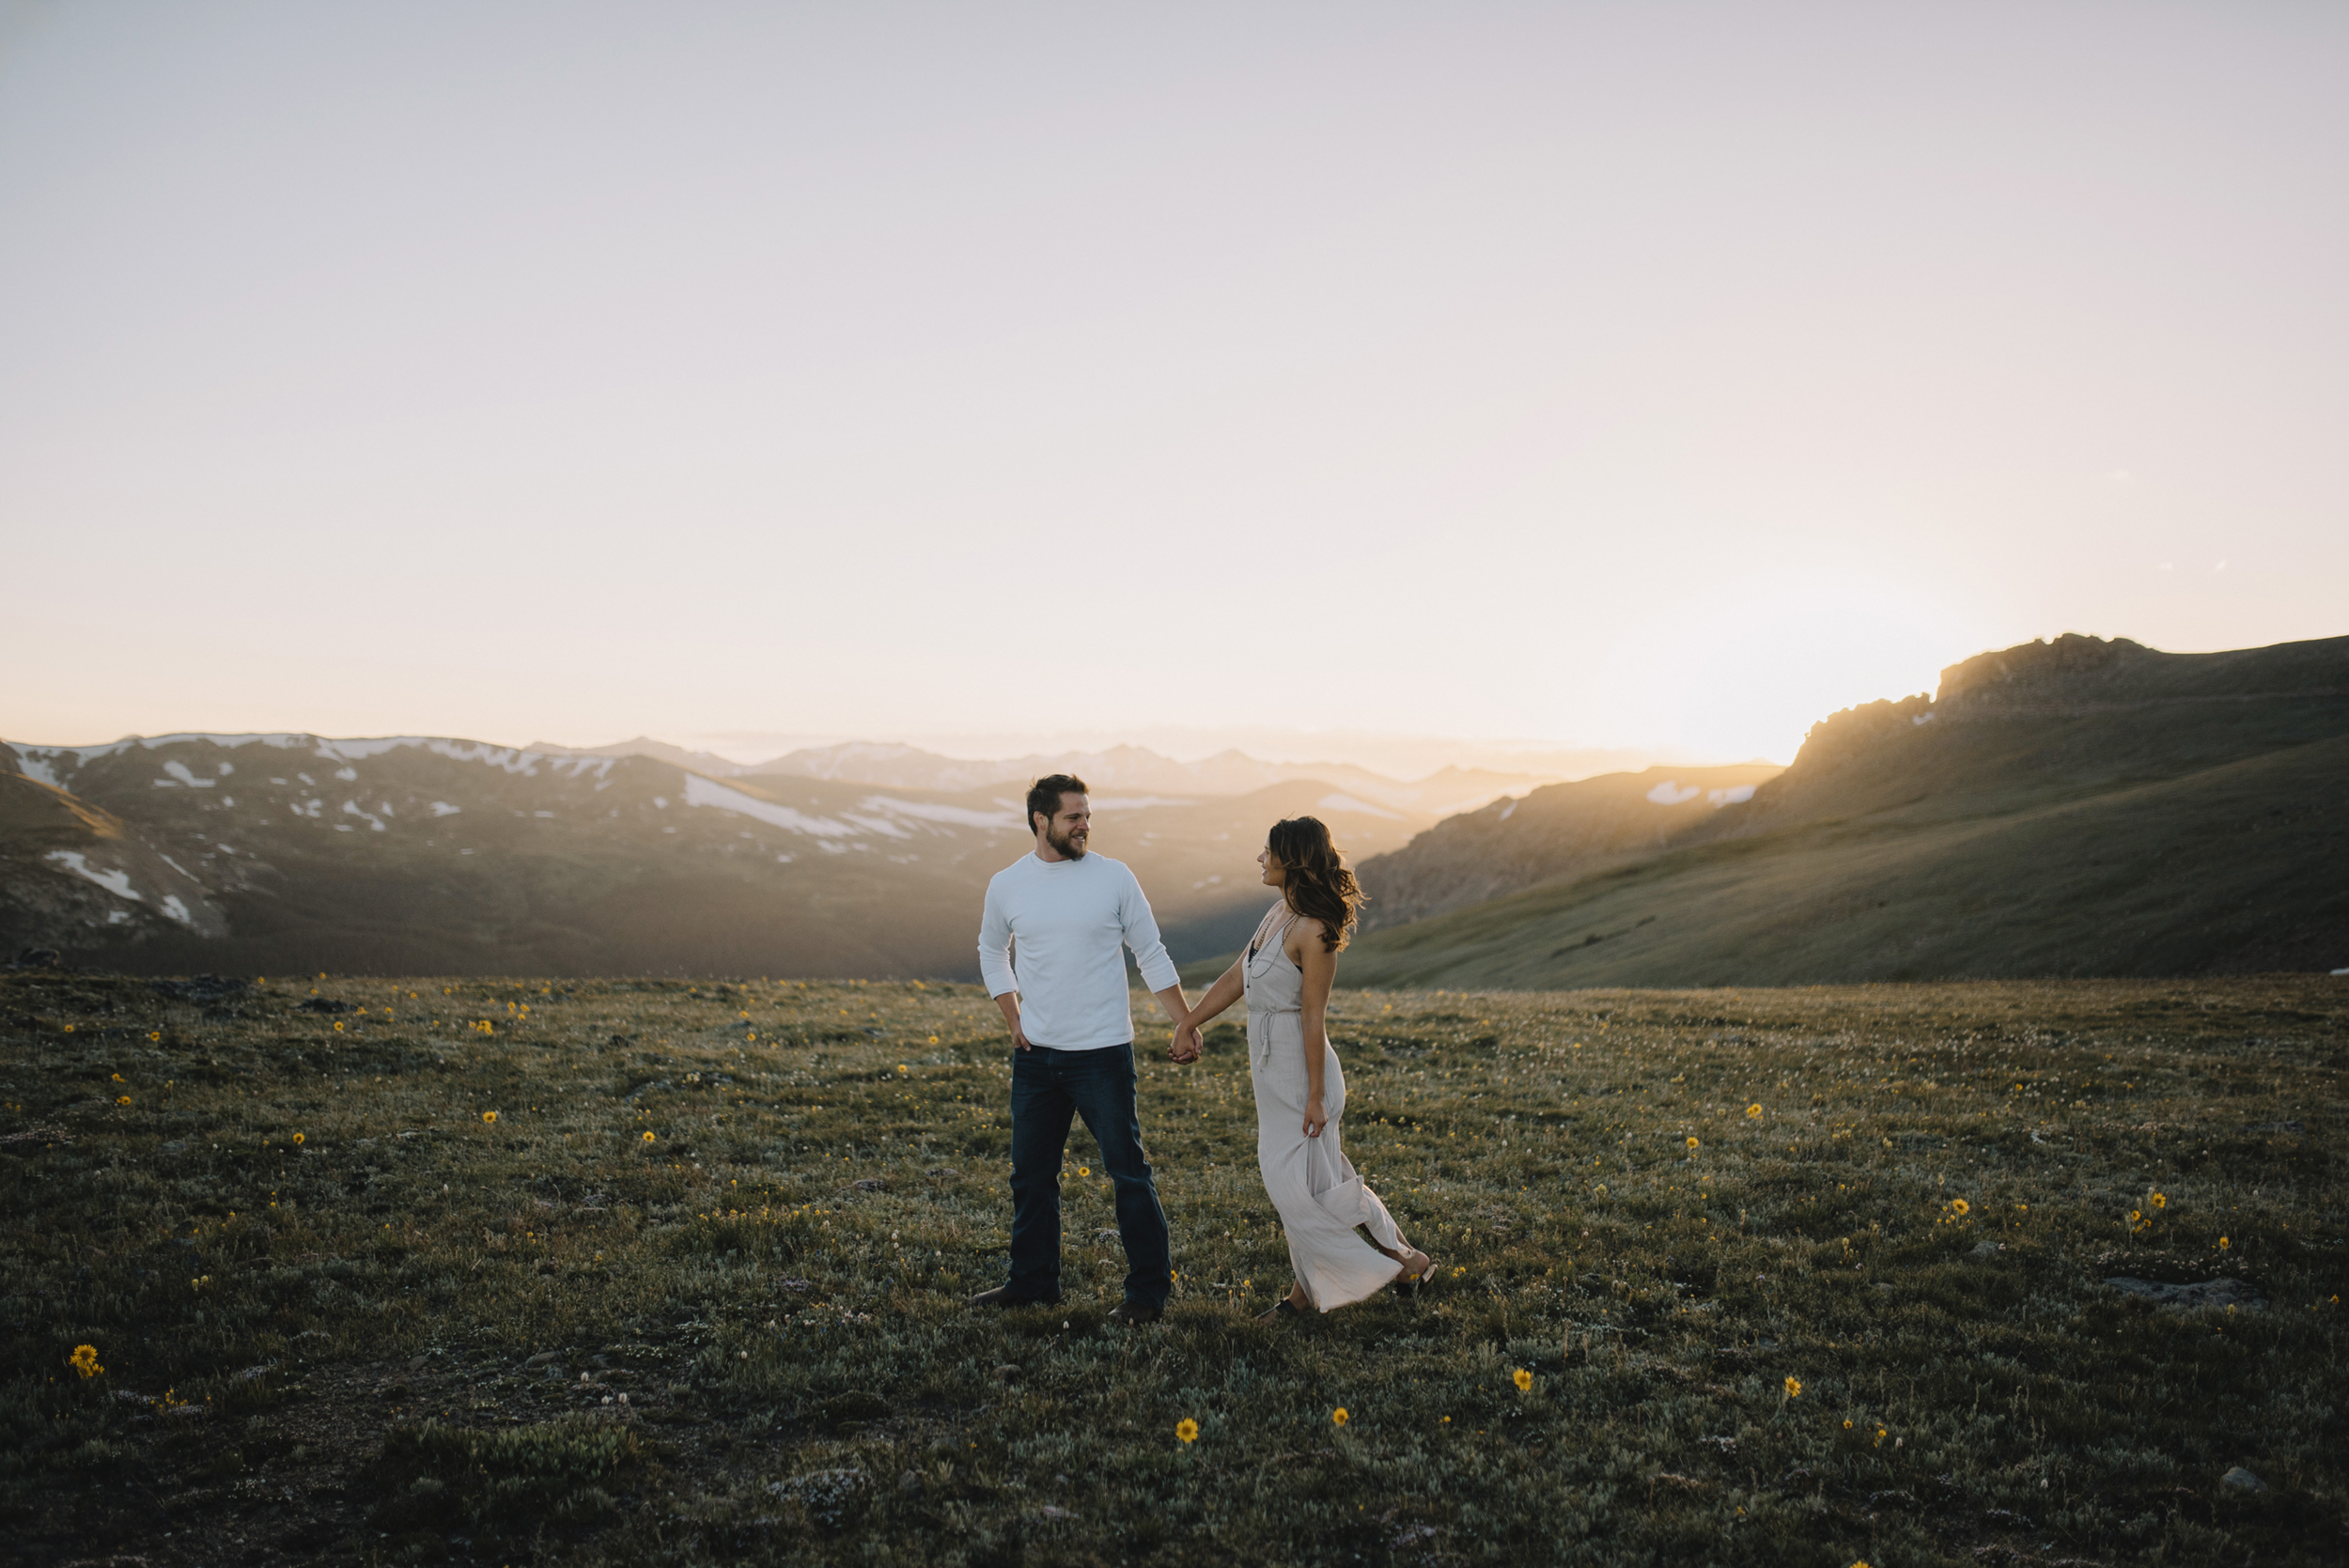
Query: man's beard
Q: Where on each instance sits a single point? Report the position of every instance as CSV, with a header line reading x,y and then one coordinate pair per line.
x,y
1072,844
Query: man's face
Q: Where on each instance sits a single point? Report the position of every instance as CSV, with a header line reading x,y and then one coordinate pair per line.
x,y
1070,826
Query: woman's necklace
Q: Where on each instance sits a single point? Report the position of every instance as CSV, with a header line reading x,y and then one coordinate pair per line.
x,y
1264,926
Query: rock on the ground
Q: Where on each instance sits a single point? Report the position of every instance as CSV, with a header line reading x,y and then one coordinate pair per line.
x,y
2226,1291
2242,1481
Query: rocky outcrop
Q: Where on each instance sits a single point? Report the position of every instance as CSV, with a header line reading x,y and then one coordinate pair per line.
x,y
1848,732
2041,671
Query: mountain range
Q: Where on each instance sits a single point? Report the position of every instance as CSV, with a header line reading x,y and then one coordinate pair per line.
x,y
417,854
2076,807
1129,769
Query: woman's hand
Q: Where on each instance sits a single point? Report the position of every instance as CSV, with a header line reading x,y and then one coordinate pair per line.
x,y
1184,1047
1315,1119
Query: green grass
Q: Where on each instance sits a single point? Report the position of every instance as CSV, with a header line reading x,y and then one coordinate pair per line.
x,y
418,1336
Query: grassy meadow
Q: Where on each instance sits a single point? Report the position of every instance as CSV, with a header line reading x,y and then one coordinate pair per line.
x,y
638,1272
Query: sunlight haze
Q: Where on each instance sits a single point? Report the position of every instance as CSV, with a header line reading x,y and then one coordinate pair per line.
x,y
1606,375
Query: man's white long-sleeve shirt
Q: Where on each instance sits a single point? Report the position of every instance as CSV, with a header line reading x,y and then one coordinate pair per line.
x,y
1070,918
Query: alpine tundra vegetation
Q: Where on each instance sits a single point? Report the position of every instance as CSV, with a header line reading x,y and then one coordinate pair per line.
x,y
471,1271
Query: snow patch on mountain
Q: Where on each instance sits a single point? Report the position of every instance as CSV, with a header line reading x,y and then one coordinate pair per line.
x,y
710,792
116,882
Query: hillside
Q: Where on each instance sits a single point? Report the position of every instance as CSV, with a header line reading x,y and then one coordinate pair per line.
x,y
2077,808
282,853
1565,830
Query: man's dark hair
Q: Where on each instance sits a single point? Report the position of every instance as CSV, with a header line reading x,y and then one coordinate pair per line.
x,y
1044,795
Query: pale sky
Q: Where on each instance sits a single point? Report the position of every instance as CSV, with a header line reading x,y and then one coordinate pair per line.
x,y
1604,374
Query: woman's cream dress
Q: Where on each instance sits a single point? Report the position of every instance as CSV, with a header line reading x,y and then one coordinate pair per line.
x,y
1319,1196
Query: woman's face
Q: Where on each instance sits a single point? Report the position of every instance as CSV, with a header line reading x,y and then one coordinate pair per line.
x,y
1273,876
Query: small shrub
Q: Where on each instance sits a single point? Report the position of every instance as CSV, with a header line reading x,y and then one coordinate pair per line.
x,y
503,1482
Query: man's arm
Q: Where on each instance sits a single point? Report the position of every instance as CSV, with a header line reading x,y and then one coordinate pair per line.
x,y
995,963
1158,970
1171,1002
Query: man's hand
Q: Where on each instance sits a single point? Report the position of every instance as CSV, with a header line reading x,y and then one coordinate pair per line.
x,y
1185,1048
1009,1002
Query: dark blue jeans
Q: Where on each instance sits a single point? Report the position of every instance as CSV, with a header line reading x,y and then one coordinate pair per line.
x,y
1047,1087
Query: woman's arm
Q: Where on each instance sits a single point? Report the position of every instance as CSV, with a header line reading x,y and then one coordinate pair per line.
x,y
1225,991
1320,967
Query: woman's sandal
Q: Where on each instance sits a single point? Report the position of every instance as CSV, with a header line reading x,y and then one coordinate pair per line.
x,y
1278,1309
1410,1284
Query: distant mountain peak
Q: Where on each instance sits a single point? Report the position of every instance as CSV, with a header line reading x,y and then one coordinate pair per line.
x,y
645,746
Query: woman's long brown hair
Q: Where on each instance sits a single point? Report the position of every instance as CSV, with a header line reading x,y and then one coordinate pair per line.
x,y
1315,881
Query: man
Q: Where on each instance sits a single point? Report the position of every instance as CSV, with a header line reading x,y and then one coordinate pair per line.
x,y
1072,1029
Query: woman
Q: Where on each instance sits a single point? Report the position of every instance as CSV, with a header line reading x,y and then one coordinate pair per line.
x,y
1300,1091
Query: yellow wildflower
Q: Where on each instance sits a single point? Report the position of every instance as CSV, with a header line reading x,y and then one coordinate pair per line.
x,y
648,1138
1338,1416
1186,1429
2160,1202
1754,1110
1961,1206
490,1117
1523,1379
122,1099
2224,1244
297,1137
1692,1143
84,1361
1794,1388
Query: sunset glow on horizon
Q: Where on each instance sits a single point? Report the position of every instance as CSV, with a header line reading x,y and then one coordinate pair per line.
x,y
1652,378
